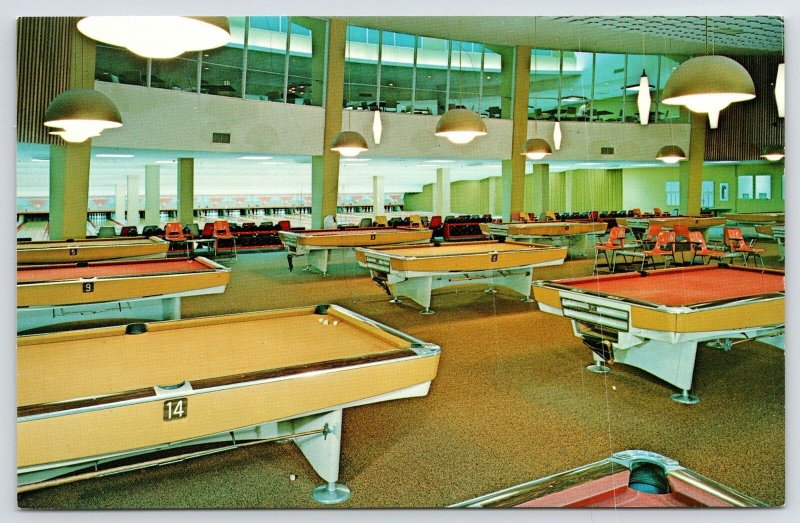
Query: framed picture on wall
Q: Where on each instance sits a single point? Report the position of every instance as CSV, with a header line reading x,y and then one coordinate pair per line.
x,y
723,192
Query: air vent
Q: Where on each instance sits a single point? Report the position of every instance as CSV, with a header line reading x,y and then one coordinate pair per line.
x,y
606,150
620,70
221,138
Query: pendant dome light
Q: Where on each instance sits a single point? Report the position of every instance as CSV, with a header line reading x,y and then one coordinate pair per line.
x,y
536,149
158,36
708,84
81,114
671,154
460,125
349,143
773,153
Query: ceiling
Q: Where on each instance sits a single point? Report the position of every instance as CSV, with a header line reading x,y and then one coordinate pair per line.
x,y
732,35
224,173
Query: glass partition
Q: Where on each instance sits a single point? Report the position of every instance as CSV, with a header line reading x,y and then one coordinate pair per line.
x,y
576,86
299,83
465,75
362,53
491,83
637,64
266,57
117,65
432,75
397,70
544,87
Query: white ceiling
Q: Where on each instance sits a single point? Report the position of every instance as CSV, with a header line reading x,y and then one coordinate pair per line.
x,y
228,173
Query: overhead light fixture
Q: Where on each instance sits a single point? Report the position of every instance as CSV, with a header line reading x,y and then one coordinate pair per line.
x,y
165,161
349,143
643,100
557,135
708,84
536,149
780,94
671,154
353,160
271,163
773,153
112,155
254,158
439,161
81,114
377,128
40,160
158,36
460,125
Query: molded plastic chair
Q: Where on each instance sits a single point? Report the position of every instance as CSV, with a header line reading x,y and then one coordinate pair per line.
x,y
285,225
129,230
381,221
365,222
665,246
106,231
706,253
734,240
415,220
615,242
173,233
222,231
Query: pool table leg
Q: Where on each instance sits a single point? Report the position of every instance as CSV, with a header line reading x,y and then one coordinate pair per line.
x,y
320,259
322,452
417,289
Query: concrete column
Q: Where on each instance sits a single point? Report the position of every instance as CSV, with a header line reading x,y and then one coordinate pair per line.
x,y
441,192
325,168
69,163
378,196
133,200
494,209
514,168
119,209
185,190
541,188
69,190
152,194
691,171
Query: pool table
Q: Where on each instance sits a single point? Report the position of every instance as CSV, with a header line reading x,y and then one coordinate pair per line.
x,y
50,295
777,233
627,479
640,225
578,237
94,249
653,320
317,244
87,397
756,218
414,271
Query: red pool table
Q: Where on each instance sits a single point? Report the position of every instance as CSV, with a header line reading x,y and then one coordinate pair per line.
x,y
49,295
653,320
628,479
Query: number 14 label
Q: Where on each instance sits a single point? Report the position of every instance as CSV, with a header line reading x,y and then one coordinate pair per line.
x,y
175,409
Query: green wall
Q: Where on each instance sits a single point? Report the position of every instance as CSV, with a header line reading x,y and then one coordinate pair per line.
x,y
419,201
469,197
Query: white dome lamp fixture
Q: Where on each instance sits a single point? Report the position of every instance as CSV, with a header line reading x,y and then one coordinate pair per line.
x,y
460,125
349,143
671,154
80,114
536,149
773,153
708,84
158,36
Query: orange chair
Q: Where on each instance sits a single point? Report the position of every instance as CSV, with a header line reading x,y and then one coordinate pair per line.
x,y
435,222
173,233
665,246
222,231
734,240
525,217
615,242
699,248
648,237
515,216
284,225
657,211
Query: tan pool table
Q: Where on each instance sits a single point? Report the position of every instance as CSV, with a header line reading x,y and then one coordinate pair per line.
x,y
94,249
578,237
51,295
90,396
414,271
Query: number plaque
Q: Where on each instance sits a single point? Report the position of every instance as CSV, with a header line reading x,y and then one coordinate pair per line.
x,y
176,409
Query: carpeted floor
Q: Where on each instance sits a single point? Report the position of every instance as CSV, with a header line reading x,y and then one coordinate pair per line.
x,y
512,402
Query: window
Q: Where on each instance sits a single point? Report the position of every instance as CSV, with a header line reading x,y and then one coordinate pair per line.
x,y
673,193
745,188
763,187
707,194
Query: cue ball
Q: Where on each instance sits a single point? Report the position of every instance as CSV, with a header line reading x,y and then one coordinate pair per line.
x,y
292,477
324,322
336,322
